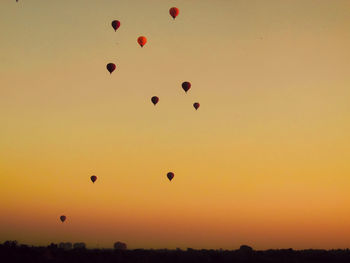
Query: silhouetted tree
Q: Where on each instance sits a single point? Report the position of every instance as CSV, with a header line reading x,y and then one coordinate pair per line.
x,y
245,248
120,246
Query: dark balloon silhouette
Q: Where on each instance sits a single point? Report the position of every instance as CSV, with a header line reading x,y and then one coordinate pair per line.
x,y
170,176
174,12
196,105
63,218
186,86
111,67
115,24
154,100
142,41
93,178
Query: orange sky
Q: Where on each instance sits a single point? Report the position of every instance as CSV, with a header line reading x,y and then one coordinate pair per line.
x,y
264,161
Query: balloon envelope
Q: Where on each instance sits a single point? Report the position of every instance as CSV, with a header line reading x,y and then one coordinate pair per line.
x,y
174,12
115,24
63,218
186,86
93,178
111,67
170,176
154,100
196,105
142,41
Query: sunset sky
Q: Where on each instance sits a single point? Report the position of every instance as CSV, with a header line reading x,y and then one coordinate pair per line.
x,y
265,161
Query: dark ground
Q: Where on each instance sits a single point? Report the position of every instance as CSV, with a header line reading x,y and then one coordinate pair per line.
x,y
24,254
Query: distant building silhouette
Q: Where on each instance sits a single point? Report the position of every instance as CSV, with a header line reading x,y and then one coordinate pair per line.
x,y
65,246
120,246
79,245
11,243
52,246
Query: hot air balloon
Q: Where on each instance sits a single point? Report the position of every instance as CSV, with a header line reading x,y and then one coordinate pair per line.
x,y
115,24
186,86
170,176
93,178
111,67
142,41
174,12
63,218
154,100
196,105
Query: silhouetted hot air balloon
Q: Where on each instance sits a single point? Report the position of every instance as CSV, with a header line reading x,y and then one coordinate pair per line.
x,y
154,100
186,86
111,67
93,178
196,105
174,12
170,176
142,41
115,24
63,218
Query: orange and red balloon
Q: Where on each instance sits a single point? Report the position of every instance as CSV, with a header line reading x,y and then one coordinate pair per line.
x,y
142,41
174,12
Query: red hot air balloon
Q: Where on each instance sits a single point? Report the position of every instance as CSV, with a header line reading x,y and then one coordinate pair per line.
x,y
142,41
174,12
115,24
154,100
63,218
186,86
93,178
110,67
196,105
170,176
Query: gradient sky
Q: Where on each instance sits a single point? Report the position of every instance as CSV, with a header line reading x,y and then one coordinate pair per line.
x,y
265,161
